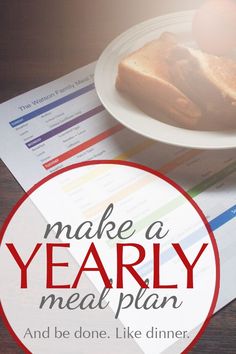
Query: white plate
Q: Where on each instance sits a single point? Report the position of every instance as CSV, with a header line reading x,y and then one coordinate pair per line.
x,y
126,112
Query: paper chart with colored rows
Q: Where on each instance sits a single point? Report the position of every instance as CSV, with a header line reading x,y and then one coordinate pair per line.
x,y
63,123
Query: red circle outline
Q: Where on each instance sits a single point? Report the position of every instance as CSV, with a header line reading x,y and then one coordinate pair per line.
x,y
146,169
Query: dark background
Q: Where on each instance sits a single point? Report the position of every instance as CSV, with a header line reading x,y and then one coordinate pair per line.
x,y
42,40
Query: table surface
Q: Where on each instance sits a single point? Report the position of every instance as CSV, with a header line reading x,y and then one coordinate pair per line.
x,y
41,40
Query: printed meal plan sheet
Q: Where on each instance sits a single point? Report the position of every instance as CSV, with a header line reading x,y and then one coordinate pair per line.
x,y
64,122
